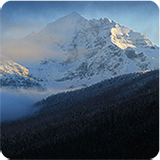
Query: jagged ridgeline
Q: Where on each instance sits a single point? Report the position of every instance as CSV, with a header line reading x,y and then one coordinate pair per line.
x,y
84,52
92,50
115,119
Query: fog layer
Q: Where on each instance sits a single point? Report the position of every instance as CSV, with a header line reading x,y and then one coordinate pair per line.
x,y
16,104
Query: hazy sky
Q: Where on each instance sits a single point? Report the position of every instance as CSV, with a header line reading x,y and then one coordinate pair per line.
x,y
21,18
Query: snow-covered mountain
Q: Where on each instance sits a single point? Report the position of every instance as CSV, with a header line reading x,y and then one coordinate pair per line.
x,y
82,52
14,75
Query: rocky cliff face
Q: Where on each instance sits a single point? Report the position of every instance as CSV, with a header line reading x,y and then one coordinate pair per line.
x,y
93,50
83,52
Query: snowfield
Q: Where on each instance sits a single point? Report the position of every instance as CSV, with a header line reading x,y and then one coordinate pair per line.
x,y
79,52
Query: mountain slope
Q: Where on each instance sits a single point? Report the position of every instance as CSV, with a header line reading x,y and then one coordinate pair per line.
x,y
88,51
79,52
13,75
8,67
115,119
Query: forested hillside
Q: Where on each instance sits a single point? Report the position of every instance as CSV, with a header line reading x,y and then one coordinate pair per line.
x,y
115,119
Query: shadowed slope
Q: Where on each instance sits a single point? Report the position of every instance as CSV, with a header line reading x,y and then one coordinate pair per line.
x,y
117,118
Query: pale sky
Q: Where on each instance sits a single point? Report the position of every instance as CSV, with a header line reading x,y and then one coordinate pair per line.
x,y
21,18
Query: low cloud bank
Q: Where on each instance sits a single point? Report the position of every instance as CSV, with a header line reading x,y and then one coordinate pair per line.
x,y
16,104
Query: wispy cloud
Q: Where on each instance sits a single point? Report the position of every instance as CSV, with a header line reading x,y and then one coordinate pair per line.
x,y
22,50
18,103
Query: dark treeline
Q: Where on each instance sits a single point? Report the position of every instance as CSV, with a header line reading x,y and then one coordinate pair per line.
x,y
115,119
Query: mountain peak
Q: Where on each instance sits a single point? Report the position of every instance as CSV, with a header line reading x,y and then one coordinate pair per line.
x,y
92,50
57,27
74,14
